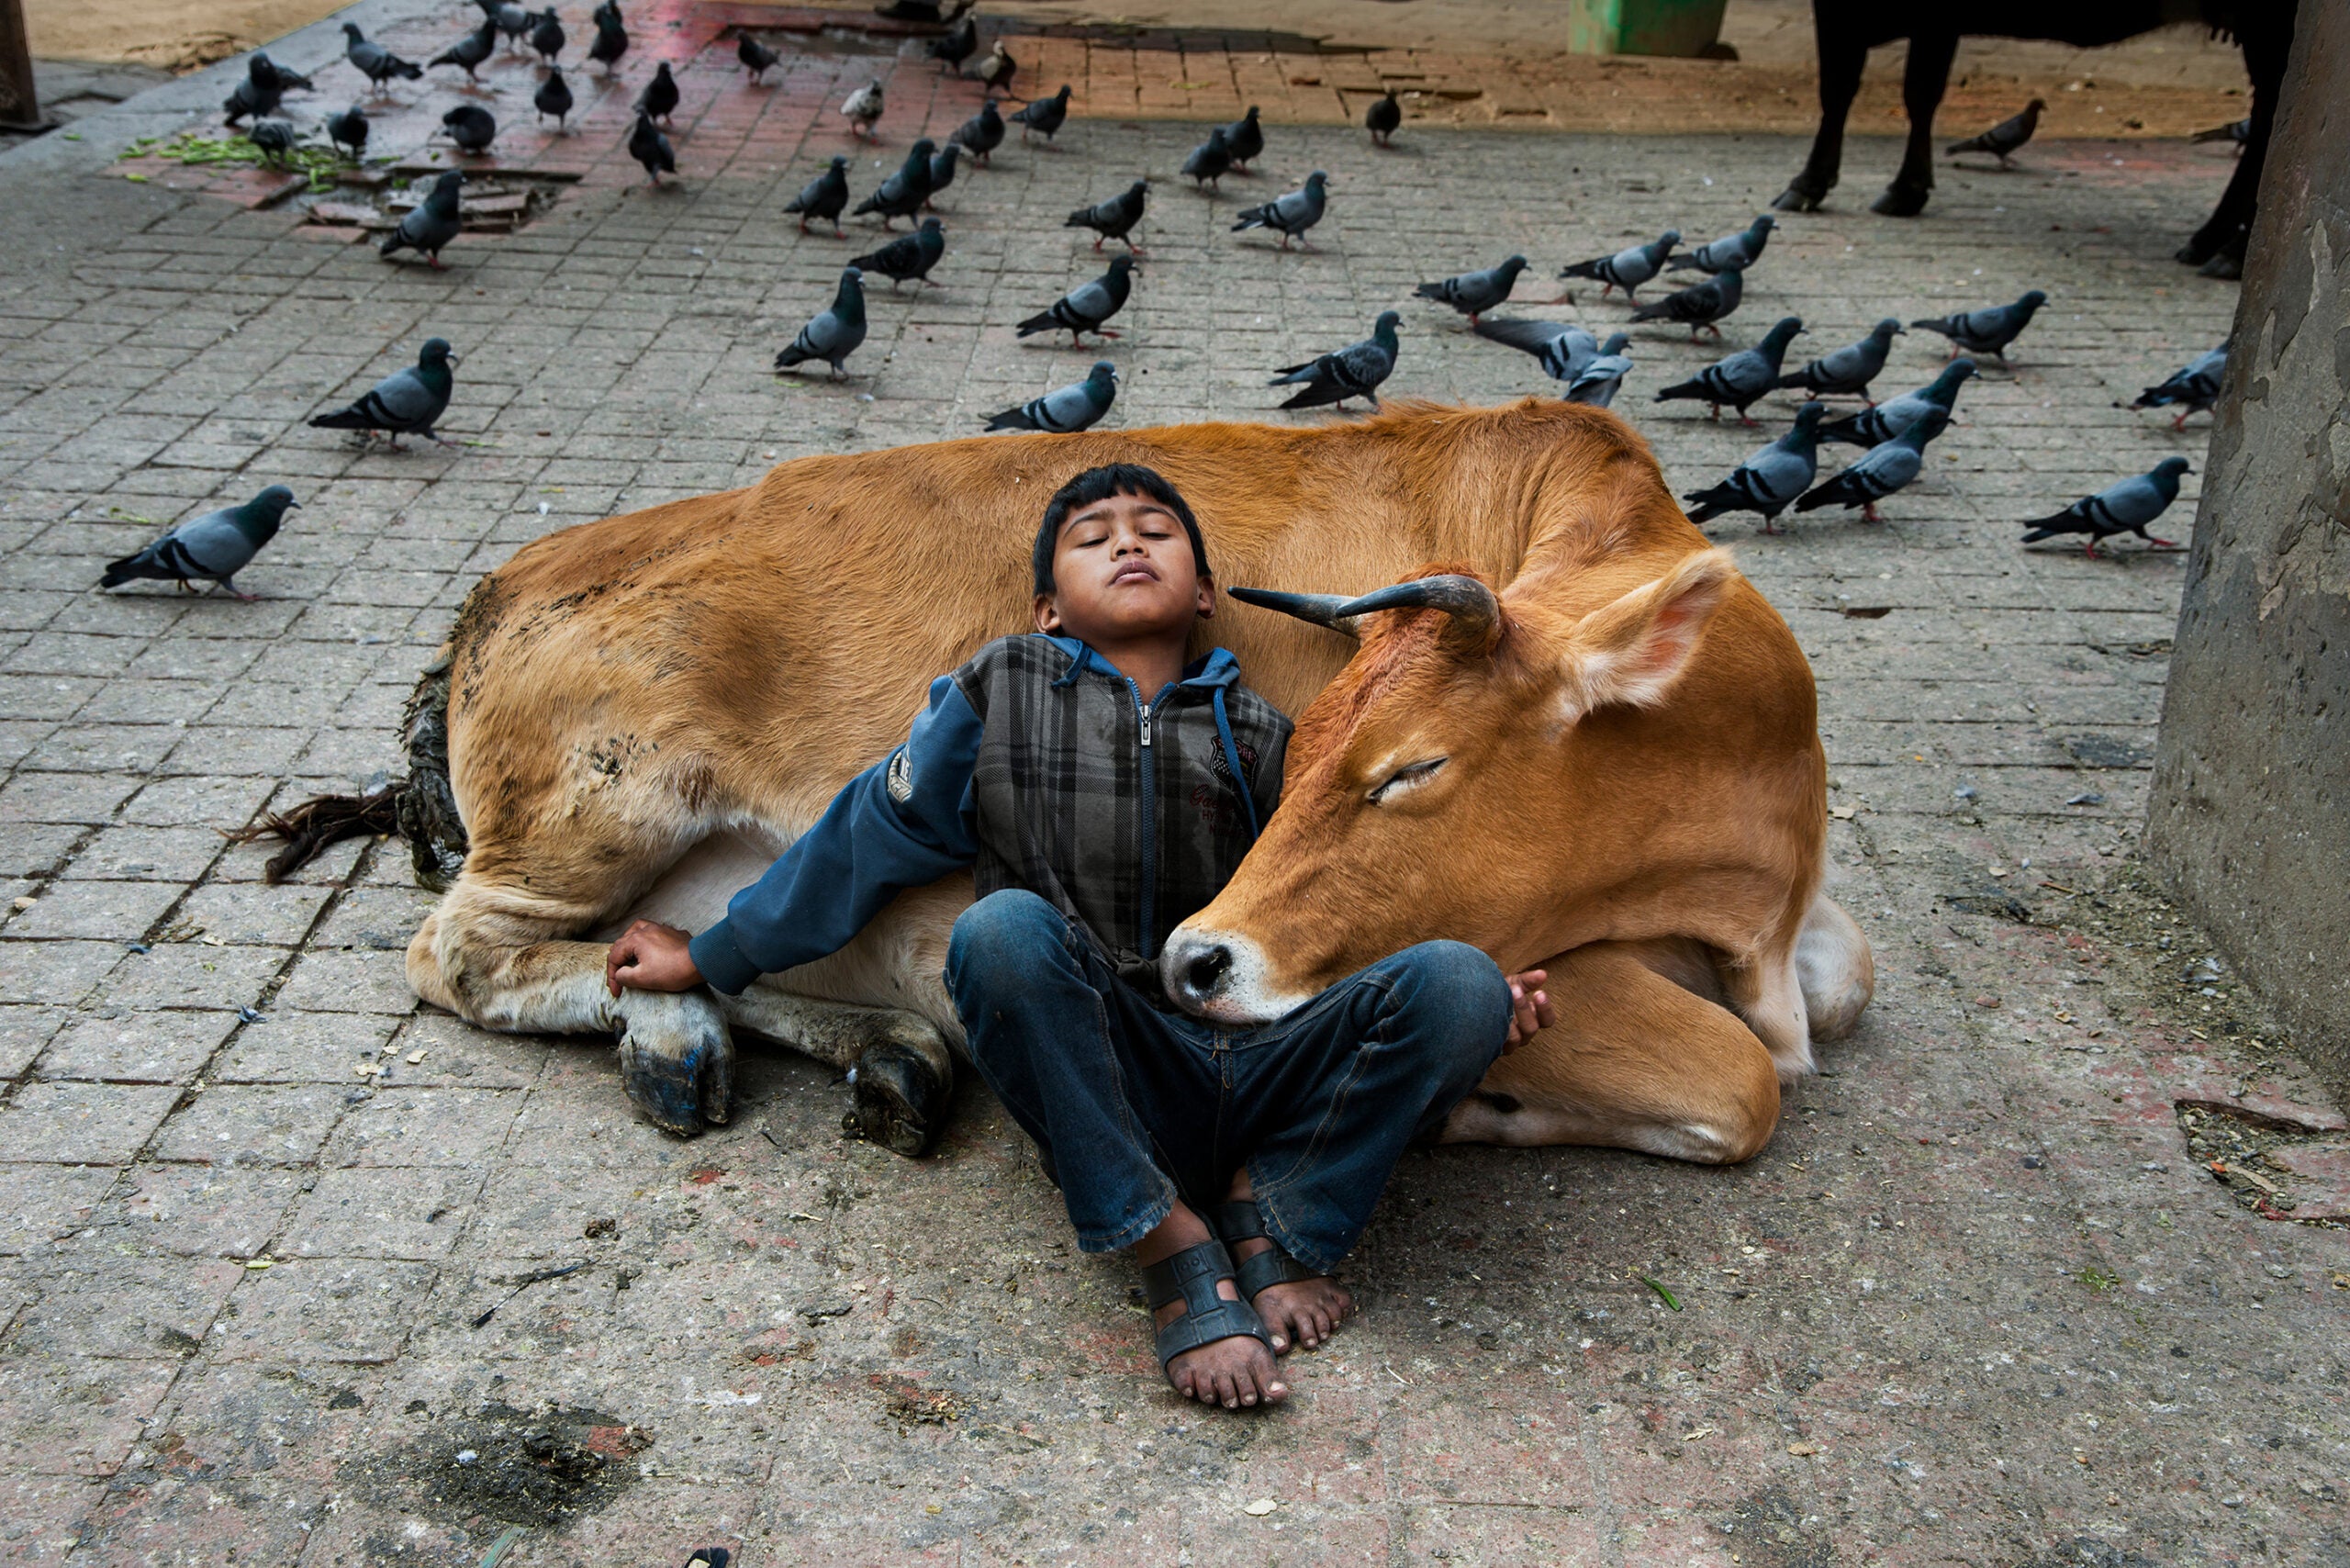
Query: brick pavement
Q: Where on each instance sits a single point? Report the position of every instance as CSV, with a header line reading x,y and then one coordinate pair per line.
x,y
1977,1304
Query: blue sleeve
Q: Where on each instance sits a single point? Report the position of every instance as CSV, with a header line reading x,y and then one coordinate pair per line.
x,y
906,822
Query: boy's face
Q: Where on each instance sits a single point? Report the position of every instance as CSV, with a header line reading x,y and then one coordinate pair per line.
x,y
1122,571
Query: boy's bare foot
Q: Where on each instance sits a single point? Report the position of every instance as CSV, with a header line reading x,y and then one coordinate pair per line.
x,y
1299,1312
1237,1371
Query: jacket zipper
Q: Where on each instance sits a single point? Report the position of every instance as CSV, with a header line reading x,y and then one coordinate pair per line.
x,y
1150,829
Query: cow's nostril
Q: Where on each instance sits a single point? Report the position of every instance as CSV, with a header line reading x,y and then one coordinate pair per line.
x,y
1203,973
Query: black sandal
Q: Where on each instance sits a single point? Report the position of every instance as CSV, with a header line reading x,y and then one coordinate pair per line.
x,y
1240,1220
1190,1276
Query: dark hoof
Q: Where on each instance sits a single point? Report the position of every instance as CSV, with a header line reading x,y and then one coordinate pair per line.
x,y
1900,201
900,1100
686,1077
1794,198
2226,264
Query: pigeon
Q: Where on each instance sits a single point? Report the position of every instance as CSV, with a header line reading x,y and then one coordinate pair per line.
x,y
2236,130
470,51
2193,387
1292,213
606,11
1700,304
375,61
213,547
612,41
982,133
1879,472
951,49
832,335
1769,479
1851,368
1354,371
432,223
1628,269
1473,294
1381,119
1987,330
824,197
901,194
406,402
2125,508
863,108
942,171
1084,309
1044,116
922,11
660,99
554,97
1064,410
548,37
471,127
1210,160
1740,378
1115,218
1597,382
2003,138
757,58
907,256
252,99
1873,427
1245,138
998,68
650,147
513,21
269,73
275,139
1739,251
349,129
1564,350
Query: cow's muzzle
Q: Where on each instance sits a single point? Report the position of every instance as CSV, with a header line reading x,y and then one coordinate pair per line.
x,y
1221,976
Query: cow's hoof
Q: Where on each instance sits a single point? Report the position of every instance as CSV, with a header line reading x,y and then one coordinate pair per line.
x,y
2223,265
1796,198
677,1060
901,1099
1900,201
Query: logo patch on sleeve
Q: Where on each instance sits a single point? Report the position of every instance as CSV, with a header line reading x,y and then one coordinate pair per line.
x,y
901,777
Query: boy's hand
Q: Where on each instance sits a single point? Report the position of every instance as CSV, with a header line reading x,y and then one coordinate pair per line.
x,y
1530,1007
651,957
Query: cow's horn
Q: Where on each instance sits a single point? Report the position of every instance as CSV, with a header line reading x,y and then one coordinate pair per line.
x,y
1322,609
1471,603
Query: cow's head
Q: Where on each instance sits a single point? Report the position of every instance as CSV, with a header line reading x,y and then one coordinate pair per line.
x,y
1485,767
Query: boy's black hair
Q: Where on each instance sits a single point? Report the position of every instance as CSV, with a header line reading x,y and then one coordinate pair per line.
x,y
1099,484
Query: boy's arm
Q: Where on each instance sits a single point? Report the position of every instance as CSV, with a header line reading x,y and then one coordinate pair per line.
x,y
903,822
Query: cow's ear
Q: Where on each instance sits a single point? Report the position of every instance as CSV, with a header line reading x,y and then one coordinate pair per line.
x,y
1629,653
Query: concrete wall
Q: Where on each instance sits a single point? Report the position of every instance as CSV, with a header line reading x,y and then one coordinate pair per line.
x,y
2250,818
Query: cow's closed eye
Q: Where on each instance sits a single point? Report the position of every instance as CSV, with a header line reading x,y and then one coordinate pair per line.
x,y
1404,779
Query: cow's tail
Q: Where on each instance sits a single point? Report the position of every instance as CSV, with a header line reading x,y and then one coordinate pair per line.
x,y
420,808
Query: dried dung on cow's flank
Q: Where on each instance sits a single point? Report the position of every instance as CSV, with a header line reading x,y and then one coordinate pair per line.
x,y
535,1468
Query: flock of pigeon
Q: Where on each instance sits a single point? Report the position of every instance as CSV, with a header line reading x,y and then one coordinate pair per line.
x,y
1894,434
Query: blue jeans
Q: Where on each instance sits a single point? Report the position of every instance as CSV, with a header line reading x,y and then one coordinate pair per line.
x,y
1131,1107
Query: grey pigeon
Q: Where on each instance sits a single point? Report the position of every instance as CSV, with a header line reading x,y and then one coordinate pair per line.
x,y
1210,160
1740,378
1769,479
1700,305
2125,508
1878,473
375,61
2003,138
1065,409
1602,376
512,21
213,547
1989,330
1043,116
1563,349
406,402
1873,427
267,71
832,335
1290,214
942,171
1245,138
1354,371
996,72
471,127
757,58
612,41
1739,251
547,35
651,149
256,95
608,11
1086,307
469,51
901,194
1473,294
907,256
349,130
660,99
1383,119
1115,218
1627,269
1850,368
823,196
2238,132
432,223
2192,388
275,139
956,46
554,97
982,133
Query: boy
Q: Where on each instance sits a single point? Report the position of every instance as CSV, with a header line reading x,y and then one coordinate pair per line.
x,y
1101,790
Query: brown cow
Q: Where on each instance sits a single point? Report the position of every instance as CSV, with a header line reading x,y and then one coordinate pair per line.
x,y
640,714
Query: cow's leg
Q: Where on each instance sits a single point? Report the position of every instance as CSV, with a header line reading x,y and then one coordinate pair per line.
x,y
897,1061
1922,85
2266,35
1636,1060
1844,50
1834,969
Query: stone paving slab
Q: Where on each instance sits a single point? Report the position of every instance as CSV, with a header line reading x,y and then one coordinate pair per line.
x,y
1982,1301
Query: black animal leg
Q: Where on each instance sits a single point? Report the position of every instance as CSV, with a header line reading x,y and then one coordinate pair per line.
x,y
1922,94
1843,50
2267,36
